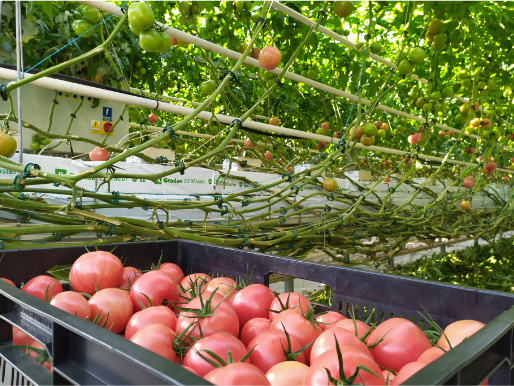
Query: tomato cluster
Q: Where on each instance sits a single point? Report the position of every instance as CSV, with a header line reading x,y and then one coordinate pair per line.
x,y
233,335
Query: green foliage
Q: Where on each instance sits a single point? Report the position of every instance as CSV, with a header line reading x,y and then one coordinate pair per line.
x,y
489,266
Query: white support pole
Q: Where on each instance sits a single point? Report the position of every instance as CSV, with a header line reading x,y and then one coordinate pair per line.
x,y
179,100
75,88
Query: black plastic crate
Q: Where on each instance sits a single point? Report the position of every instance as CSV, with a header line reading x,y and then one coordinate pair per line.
x,y
84,353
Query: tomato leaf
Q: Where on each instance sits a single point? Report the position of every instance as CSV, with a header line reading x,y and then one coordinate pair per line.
x,y
60,272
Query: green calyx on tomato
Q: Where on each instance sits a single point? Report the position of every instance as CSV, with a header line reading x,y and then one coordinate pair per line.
x,y
140,16
81,27
207,87
8,145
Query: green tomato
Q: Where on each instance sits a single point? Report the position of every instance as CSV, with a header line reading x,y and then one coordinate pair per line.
x,y
150,40
138,64
462,75
447,92
436,95
437,47
140,16
34,145
460,119
481,85
375,48
208,87
405,67
46,141
165,43
82,27
466,83
142,71
484,134
268,75
239,6
416,55
186,7
321,131
8,145
428,107
370,129
381,133
134,30
440,38
311,74
92,15
469,130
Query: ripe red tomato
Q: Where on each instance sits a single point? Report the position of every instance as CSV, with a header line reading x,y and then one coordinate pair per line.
x,y
237,374
157,338
129,276
252,328
173,40
43,287
98,154
288,300
73,303
173,270
194,281
268,155
356,326
408,371
328,319
415,138
431,354
19,338
467,183
152,118
295,324
324,125
8,281
219,343
327,341
352,358
268,349
457,331
33,354
269,58
224,286
403,342
113,307
223,319
248,143
94,271
287,373
251,302
157,286
151,315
